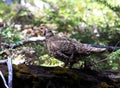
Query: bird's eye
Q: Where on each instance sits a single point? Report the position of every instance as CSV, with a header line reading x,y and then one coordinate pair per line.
x,y
41,28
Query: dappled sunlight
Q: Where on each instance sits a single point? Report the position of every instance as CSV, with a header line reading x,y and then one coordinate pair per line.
x,y
87,21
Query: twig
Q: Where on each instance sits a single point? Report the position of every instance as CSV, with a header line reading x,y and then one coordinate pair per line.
x,y
95,62
10,72
18,44
32,39
101,60
3,61
1,74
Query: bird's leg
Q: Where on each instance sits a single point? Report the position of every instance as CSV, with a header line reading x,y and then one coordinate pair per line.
x,y
67,59
62,55
71,57
71,64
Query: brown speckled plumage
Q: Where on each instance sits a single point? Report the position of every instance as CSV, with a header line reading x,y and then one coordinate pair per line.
x,y
67,50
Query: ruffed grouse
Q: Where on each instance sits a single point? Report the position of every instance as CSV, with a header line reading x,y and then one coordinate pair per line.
x,y
68,50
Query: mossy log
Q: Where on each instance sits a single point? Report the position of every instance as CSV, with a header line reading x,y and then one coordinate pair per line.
x,y
26,76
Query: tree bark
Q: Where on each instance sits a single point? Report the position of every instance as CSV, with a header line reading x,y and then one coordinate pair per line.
x,y
28,76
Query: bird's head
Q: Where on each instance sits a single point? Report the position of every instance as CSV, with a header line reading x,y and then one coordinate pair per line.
x,y
44,31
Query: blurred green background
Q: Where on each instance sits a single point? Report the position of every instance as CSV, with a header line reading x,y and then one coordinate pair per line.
x,y
87,21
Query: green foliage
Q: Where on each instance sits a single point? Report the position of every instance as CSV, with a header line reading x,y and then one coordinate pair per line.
x,y
115,60
112,61
93,15
7,12
50,61
10,34
79,18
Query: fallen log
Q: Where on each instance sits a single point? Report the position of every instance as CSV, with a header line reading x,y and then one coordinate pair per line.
x,y
29,76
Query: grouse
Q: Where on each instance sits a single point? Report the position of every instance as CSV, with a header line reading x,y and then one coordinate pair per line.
x,y
68,50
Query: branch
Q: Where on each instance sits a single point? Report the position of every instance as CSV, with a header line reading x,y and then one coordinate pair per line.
x,y
32,39
5,46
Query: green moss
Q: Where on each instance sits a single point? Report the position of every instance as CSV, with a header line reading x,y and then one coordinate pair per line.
x,y
105,85
66,72
5,74
18,74
59,70
118,74
35,75
22,68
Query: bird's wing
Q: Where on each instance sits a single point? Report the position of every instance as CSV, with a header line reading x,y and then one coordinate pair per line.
x,y
86,48
63,44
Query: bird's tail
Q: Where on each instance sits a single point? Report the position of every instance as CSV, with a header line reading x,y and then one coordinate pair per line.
x,y
108,48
